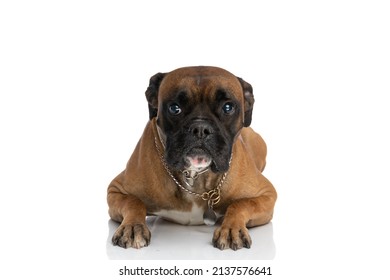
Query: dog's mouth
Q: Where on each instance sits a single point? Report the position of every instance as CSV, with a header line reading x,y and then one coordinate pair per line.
x,y
197,159
183,154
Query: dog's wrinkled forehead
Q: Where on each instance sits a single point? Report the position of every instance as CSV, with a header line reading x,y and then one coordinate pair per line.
x,y
199,85
200,82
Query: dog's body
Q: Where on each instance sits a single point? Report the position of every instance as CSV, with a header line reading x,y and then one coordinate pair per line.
x,y
199,118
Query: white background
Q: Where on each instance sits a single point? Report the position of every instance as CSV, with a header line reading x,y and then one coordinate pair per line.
x,y
72,81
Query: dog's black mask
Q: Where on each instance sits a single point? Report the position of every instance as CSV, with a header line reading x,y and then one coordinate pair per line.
x,y
201,139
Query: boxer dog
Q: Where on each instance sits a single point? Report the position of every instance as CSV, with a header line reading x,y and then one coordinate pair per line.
x,y
197,161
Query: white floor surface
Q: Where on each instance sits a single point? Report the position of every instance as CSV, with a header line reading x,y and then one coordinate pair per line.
x,y
174,241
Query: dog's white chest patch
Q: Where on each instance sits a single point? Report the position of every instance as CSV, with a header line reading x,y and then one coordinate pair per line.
x,y
193,217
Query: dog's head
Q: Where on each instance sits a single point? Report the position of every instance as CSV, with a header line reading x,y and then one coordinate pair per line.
x,y
200,111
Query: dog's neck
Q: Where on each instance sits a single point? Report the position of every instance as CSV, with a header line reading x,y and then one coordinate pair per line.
x,y
161,135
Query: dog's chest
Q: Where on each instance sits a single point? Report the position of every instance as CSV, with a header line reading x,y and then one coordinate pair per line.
x,y
193,217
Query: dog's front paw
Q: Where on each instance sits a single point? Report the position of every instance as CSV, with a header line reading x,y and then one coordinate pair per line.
x,y
136,236
232,237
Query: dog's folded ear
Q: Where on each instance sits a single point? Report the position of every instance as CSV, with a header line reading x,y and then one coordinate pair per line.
x,y
151,93
249,100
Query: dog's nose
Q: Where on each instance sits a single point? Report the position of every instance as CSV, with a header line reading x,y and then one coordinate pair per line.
x,y
201,129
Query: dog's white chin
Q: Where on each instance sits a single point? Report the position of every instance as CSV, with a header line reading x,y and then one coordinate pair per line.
x,y
198,162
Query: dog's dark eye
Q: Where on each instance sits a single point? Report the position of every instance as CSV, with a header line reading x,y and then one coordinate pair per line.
x,y
174,109
228,108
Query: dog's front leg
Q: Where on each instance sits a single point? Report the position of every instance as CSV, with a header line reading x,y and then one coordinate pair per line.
x,y
243,213
131,213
